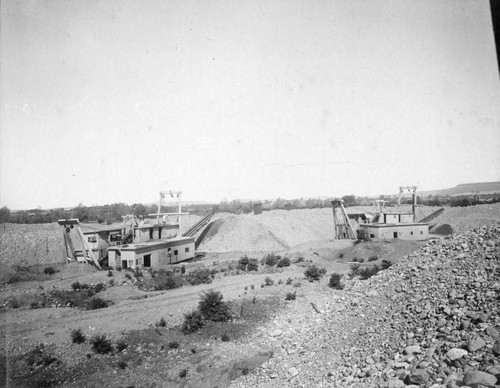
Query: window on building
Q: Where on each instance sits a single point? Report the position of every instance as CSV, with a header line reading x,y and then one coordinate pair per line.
x,y
421,232
130,263
411,233
92,239
372,235
176,252
186,250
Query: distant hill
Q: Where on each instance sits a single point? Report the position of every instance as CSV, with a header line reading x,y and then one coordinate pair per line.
x,y
466,189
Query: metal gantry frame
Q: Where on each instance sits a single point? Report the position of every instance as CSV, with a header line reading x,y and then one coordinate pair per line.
x,y
342,227
413,190
159,214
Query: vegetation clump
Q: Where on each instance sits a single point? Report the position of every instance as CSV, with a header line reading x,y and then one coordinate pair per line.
x,y
199,276
193,321
386,264
284,262
268,281
77,336
271,259
213,308
49,271
291,296
335,282
101,345
96,303
314,273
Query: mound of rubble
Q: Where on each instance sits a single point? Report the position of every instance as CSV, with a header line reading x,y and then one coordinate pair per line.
x,y
430,320
461,219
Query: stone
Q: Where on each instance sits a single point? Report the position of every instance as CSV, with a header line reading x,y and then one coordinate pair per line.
x,y
293,372
419,377
456,353
414,349
475,344
276,333
479,378
496,348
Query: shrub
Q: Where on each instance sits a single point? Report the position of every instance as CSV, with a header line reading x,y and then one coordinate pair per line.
x,y
367,273
14,303
168,282
193,321
200,276
34,305
183,373
173,345
100,344
373,258
271,259
354,270
289,281
76,286
127,275
291,296
386,264
280,281
284,262
121,345
96,303
335,281
268,281
122,364
252,287
341,255
110,273
253,265
119,269
49,271
300,259
242,263
183,269
225,337
77,336
213,272
162,322
314,273
213,308
246,288
111,282
99,287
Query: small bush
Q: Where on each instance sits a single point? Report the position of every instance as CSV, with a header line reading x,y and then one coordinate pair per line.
x,y
268,281
213,308
200,276
14,303
49,271
99,287
300,259
162,322
284,262
252,287
354,270
280,281
183,269
242,263
225,337
335,281
271,259
34,305
253,265
111,282
289,281
121,345
168,282
291,296
96,303
119,269
173,345
193,321
298,284
373,258
246,288
127,275
76,286
367,273
77,336
122,364
386,264
183,373
100,344
110,274
314,273
341,255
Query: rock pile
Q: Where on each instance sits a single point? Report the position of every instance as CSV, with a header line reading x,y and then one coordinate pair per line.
x,y
431,320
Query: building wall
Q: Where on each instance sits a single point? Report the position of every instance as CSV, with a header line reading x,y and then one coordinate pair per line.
x,y
410,232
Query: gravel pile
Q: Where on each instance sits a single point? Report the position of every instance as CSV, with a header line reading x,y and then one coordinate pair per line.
x,y
431,320
461,219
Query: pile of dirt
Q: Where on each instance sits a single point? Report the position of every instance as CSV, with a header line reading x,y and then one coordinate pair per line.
x,y
461,219
270,231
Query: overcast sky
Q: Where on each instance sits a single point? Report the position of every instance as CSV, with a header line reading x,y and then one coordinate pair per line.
x,y
110,100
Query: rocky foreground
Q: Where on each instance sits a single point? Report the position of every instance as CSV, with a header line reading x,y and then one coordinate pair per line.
x,y
431,320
